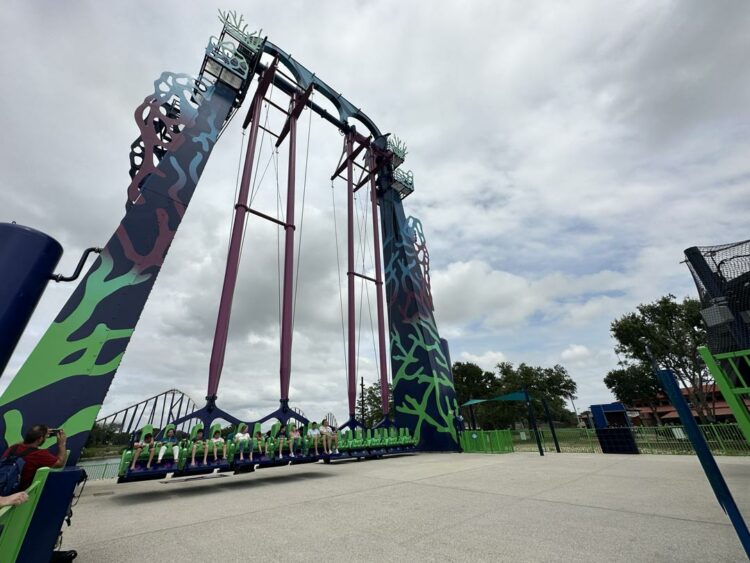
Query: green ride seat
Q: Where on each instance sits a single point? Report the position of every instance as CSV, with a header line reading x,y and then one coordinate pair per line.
x,y
404,439
392,439
272,442
412,439
219,447
188,444
382,436
169,454
275,429
358,441
255,446
296,442
258,447
345,439
194,431
127,455
245,446
375,440
309,444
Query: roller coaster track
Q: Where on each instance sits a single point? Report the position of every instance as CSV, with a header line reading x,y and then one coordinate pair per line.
x,y
158,411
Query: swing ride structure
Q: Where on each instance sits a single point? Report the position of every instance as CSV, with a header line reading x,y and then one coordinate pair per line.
x,y
65,379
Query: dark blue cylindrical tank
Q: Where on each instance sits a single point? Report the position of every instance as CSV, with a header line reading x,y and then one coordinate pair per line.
x,y
27,260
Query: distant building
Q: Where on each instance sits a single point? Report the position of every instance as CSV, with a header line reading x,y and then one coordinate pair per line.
x,y
668,415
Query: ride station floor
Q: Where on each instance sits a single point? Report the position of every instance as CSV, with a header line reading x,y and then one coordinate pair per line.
x,y
428,507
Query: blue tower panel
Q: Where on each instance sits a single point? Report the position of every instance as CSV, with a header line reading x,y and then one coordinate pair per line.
x,y
27,260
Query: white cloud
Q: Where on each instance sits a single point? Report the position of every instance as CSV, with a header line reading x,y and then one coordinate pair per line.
x,y
575,353
487,360
564,158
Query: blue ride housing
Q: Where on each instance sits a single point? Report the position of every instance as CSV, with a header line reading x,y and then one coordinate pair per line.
x,y
27,259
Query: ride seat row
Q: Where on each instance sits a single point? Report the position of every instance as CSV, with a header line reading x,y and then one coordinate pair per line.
x,y
362,442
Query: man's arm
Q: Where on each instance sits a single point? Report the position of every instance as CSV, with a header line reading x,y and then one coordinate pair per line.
x,y
61,449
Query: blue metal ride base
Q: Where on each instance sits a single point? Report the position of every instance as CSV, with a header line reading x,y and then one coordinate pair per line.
x,y
143,474
201,468
369,453
352,424
206,415
160,471
385,423
283,414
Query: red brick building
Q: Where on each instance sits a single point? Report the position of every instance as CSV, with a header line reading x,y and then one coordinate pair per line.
x,y
668,415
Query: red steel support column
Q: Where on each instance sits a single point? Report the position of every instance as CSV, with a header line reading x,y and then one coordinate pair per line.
x,y
285,363
379,290
233,259
351,375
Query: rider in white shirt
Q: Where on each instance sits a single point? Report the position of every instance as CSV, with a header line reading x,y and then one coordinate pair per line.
x,y
242,439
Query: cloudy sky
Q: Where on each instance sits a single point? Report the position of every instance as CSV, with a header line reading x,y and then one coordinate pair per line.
x,y
564,157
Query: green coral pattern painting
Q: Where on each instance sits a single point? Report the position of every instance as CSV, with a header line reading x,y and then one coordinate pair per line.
x,y
423,390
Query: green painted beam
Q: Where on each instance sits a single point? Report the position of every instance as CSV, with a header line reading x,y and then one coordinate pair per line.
x,y
734,396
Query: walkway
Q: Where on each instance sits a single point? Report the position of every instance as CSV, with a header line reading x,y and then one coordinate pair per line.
x,y
431,507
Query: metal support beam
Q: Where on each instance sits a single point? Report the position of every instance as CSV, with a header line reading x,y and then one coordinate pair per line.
x,y
352,350
364,277
163,411
233,259
297,104
153,412
348,161
266,217
285,361
379,290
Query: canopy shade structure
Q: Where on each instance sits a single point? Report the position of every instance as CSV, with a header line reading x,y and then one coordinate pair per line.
x,y
515,396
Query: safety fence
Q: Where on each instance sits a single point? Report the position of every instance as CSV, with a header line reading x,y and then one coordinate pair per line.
x,y
96,471
723,439
487,441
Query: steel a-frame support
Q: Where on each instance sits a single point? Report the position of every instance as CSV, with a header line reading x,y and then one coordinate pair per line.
x,y
298,101
233,258
382,350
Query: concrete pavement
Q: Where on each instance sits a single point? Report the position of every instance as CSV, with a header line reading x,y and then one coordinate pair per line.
x,y
429,507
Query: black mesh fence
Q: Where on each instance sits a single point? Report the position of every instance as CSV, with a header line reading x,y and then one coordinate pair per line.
x,y
722,276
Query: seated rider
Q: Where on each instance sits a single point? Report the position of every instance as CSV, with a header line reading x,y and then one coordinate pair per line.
x,y
242,439
280,438
216,441
292,438
325,434
314,434
138,447
334,446
169,440
198,441
258,438
34,457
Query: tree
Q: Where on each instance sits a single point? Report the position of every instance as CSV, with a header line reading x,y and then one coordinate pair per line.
x,y
554,384
472,382
362,410
671,333
106,434
635,382
374,404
